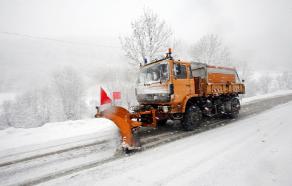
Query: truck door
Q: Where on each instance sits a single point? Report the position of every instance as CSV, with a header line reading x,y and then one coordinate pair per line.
x,y
181,82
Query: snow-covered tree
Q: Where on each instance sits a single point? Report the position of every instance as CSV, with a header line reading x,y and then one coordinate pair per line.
x,y
285,80
210,50
70,92
265,83
59,100
27,110
149,39
5,114
243,69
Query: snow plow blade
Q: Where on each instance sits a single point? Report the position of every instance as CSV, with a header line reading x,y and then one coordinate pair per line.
x,y
128,128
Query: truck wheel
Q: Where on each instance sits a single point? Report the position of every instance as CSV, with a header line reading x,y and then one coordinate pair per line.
x,y
235,107
192,118
161,122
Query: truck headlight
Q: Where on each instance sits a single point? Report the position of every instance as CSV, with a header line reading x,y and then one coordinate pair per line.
x,y
165,109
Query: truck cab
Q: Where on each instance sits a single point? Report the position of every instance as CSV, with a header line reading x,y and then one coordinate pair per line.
x,y
166,82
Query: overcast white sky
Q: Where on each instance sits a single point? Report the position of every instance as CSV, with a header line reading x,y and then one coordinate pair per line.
x,y
258,31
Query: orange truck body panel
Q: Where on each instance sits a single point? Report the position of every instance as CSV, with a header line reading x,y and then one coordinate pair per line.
x,y
221,78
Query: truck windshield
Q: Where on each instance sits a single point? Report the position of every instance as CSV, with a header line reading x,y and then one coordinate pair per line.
x,y
156,73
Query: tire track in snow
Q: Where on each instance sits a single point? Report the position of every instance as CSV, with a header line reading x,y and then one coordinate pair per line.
x,y
50,153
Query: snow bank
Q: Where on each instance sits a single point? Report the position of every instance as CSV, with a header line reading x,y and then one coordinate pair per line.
x,y
18,137
266,96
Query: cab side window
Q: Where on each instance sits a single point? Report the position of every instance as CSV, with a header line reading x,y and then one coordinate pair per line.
x,y
180,71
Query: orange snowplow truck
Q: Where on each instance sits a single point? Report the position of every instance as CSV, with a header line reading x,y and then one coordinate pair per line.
x,y
177,90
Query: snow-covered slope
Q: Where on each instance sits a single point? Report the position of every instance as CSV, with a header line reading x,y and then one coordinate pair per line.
x,y
253,151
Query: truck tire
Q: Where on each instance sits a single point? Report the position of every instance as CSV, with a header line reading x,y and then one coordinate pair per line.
x,y
161,122
192,118
235,107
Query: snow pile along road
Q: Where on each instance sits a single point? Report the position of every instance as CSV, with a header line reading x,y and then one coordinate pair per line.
x,y
266,96
56,133
253,151
31,154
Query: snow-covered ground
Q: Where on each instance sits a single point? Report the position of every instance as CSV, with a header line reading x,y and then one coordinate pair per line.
x,y
16,140
248,152
254,151
17,137
20,143
265,96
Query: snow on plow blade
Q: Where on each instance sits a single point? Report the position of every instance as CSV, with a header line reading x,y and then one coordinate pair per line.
x,y
128,128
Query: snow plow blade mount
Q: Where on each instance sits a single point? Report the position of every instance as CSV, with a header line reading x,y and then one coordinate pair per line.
x,y
128,128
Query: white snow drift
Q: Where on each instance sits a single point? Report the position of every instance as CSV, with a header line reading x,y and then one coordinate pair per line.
x,y
54,132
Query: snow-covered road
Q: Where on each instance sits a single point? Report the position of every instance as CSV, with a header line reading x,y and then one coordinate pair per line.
x,y
57,152
254,151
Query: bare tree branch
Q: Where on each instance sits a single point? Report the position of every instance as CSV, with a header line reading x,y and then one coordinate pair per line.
x,y
149,39
210,50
